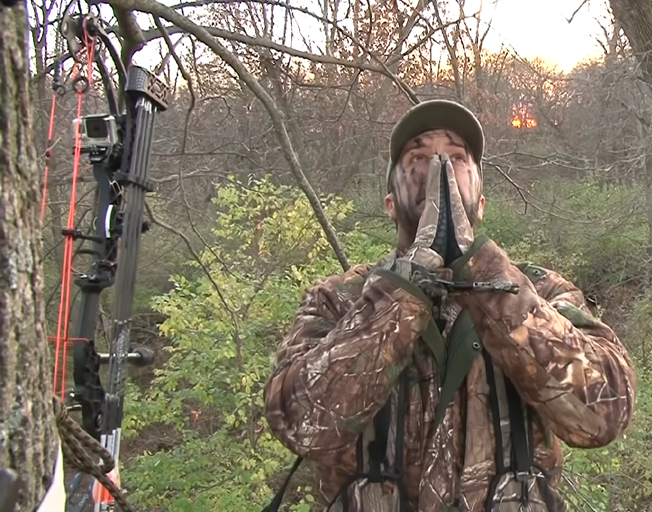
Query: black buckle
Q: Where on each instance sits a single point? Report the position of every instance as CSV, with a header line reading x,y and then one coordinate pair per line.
x,y
376,455
378,476
522,476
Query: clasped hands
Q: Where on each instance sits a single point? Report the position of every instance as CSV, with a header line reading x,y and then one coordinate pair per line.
x,y
443,236
444,233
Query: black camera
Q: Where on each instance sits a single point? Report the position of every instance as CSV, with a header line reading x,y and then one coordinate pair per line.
x,y
98,136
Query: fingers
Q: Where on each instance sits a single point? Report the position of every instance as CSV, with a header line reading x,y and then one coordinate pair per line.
x,y
453,188
428,222
444,232
459,220
425,257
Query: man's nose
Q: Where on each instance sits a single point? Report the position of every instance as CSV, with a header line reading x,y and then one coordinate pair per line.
x,y
421,173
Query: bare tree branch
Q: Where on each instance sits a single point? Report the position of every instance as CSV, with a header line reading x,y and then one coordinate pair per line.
x,y
170,54
381,67
132,36
266,43
524,193
276,115
584,2
452,53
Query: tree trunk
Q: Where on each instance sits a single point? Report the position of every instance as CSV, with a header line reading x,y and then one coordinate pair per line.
x,y
28,437
635,17
646,139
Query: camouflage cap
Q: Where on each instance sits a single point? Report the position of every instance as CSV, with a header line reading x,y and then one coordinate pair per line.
x,y
430,115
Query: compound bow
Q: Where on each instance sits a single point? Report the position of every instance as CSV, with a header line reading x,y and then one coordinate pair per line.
x,y
118,147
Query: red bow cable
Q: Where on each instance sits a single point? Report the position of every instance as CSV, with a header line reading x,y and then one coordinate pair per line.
x,y
81,85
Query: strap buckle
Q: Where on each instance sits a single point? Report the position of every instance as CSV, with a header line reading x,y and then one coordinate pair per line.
x,y
522,476
378,475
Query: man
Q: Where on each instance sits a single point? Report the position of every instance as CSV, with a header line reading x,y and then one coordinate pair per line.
x,y
547,370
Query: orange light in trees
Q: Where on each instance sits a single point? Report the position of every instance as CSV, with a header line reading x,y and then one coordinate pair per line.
x,y
522,117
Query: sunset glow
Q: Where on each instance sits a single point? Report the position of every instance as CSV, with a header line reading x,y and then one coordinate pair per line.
x,y
522,117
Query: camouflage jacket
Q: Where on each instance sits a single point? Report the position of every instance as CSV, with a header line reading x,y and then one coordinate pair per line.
x,y
353,336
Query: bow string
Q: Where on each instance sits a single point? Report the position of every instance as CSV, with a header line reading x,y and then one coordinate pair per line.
x,y
117,146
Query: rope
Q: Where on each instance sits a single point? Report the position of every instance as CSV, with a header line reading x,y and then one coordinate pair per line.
x,y
81,451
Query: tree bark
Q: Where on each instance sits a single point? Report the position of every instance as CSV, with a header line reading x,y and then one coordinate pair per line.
x,y
28,437
635,17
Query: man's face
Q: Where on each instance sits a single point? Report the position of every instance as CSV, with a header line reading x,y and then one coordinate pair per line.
x,y
407,200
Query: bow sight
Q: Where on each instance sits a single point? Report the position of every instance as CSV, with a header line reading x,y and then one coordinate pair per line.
x,y
118,146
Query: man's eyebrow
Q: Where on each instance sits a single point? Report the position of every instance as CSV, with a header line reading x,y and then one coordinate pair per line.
x,y
417,142
453,142
457,144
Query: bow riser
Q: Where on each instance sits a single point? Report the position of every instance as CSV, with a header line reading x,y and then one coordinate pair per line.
x,y
134,178
88,387
144,102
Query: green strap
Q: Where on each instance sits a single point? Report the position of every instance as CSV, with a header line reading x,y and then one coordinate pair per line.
x,y
453,363
431,335
459,265
464,347
434,341
406,285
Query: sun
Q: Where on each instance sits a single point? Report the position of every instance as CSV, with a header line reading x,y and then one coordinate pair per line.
x,y
522,116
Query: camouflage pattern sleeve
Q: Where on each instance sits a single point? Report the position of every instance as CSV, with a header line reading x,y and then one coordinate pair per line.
x,y
338,364
564,362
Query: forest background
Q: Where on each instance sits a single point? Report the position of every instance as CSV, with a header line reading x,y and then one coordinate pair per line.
x,y
269,171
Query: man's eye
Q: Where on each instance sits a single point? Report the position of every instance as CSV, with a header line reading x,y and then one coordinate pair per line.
x,y
418,158
458,158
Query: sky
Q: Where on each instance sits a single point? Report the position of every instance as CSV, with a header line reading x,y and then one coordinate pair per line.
x,y
540,28
533,28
